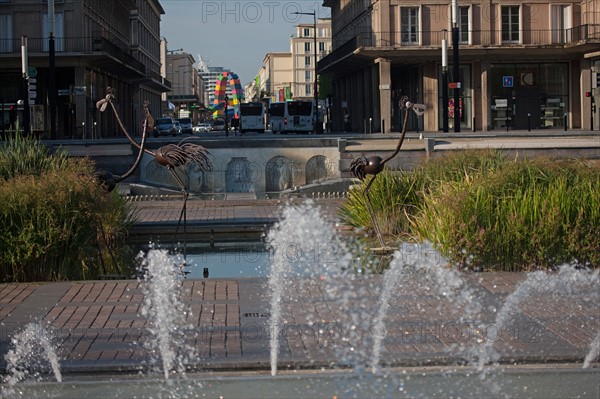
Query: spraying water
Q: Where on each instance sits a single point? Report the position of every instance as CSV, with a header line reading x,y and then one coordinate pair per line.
x,y
593,353
303,244
421,261
30,348
567,281
163,308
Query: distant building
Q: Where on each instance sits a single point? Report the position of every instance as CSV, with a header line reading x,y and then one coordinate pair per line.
x,y
303,55
187,93
278,76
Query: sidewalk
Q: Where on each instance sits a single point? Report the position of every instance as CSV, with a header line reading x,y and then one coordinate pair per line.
x,y
99,326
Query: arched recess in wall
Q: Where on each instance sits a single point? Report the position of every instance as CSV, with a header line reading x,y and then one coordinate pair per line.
x,y
317,169
279,174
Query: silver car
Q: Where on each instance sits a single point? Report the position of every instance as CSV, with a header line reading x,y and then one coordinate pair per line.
x,y
203,127
165,126
186,125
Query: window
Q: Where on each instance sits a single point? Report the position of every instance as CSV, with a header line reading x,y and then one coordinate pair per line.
x,y
308,89
6,30
59,31
306,32
409,25
321,46
307,76
561,23
307,61
510,24
307,47
463,24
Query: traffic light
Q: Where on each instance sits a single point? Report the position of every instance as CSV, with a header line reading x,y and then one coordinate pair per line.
x,y
588,93
193,105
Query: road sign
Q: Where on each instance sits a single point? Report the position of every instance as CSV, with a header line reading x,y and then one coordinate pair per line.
x,y
454,85
507,81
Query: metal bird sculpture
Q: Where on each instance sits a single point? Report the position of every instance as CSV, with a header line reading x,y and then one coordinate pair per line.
x,y
107,180
171,156
373,165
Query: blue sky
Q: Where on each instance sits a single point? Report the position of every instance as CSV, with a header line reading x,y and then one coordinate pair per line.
x,y
234,34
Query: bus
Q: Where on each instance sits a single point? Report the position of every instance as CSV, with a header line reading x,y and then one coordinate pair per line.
x,y
252,117
292,116
276,116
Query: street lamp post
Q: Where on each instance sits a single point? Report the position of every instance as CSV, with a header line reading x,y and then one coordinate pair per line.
x,y
316,84
51,70
455,66
444,84
25,71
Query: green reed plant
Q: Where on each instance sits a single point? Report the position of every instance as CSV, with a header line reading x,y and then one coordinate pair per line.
x,y
53,216
526,215
397,196
27,156
394,197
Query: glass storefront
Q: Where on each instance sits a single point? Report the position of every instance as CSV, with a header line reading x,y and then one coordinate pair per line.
x,y
465,104
529,96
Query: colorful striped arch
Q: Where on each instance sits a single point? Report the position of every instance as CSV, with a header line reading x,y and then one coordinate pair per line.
x,y
220,89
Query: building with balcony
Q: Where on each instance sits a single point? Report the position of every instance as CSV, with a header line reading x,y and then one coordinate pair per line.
x,y
303,56
522,65
97,44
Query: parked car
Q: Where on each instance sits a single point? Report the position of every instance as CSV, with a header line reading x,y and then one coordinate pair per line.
x,y
186,125
166,126
203,127
178,129
218,125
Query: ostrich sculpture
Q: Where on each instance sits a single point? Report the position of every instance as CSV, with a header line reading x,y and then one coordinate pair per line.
x,y
171,156
373,165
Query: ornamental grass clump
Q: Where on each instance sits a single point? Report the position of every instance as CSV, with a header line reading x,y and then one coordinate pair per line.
x,y
532,214
398,196
56,223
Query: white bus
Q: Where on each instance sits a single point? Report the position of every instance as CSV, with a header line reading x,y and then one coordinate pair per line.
x,y
276,116
292,116
252,117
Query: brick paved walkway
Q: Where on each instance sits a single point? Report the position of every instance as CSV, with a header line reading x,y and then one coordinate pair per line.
x,y
99,325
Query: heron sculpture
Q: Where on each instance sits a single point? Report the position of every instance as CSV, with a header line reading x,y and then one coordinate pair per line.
x,y
108,181
171,156
373,165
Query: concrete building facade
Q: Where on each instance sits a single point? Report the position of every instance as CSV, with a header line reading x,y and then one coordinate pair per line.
x,y
278,76
98,44
521,65
303,56
187,94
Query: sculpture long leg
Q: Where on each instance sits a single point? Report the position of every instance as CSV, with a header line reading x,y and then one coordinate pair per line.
x,y
183,214
112,257
372,212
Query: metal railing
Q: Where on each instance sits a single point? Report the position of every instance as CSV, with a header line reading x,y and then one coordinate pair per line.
x,y
70,45
536,37
589,33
